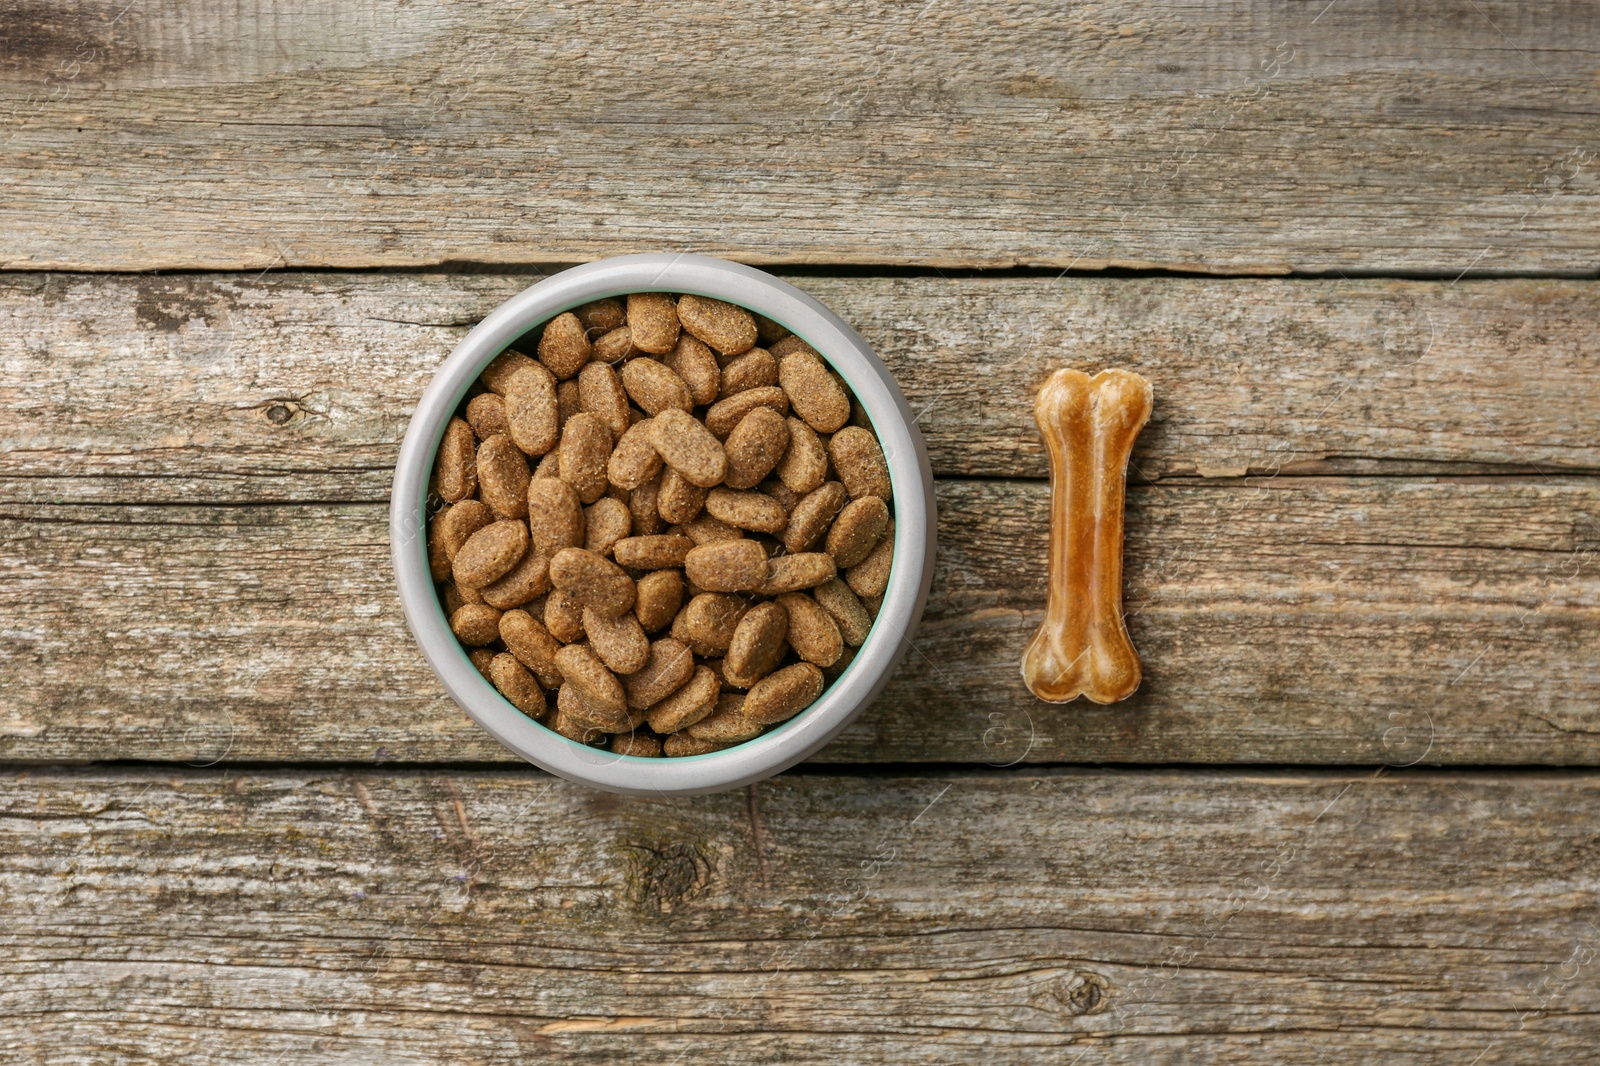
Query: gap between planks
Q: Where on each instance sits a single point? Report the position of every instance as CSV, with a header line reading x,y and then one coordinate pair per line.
x,y
541,270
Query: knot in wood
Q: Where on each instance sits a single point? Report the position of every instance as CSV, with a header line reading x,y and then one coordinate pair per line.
x,y
1083,992
662,876
281,411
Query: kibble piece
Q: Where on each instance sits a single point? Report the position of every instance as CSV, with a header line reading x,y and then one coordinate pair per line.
x,y
615,346
754,447
582,669
813,634
455,471
600,393
476,624
455,595
694,700
619,642
834,672
644,504
724,415
836,669
605,522
459,521
659,552
857,531
450,596
726,724
655,387
659,598
730,566
497,375
788,344
728,328
563,616
653,318
682,745
569,401
639,745
791,573
693,362
758,645
549,467
839,601
438,561
870,577
486,414
585,450
860,463
517,685
528,580
564,348
594,581
532,410
679,499
715,666
858,413
555,516
688,447
752,370
813,515
704,529
634,460
708,621
670,666
780,492
769,331
815,396
481,658
564,723
602,315
746,510
805,465
503,477
490,553
782,695
573,701
527,638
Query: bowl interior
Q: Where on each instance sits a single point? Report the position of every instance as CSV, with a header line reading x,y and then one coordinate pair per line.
x,y
910,477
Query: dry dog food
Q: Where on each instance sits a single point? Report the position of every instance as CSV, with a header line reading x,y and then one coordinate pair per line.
x,y
1082,647
654,534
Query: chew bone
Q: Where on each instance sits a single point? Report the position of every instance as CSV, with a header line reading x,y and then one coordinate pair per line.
x,y
1089,426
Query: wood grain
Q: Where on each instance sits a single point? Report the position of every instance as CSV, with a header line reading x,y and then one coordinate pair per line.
x,y
1298,620
1254,137
1148,917
246,389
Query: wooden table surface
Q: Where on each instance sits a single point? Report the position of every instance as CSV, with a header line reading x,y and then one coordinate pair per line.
x,y
1351,815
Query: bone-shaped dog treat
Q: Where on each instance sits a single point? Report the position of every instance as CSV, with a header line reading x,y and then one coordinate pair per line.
x,y
1089,426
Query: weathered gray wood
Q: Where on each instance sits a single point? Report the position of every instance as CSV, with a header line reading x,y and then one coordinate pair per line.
x,y
298,387
1241,137
1301,620
1146,917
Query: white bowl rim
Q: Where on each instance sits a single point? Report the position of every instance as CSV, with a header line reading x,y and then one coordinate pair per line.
x,y
910,473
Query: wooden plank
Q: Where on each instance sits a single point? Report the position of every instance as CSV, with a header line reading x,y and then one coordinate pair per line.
x,y
1255,136
1298,620
1144,917
298,387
